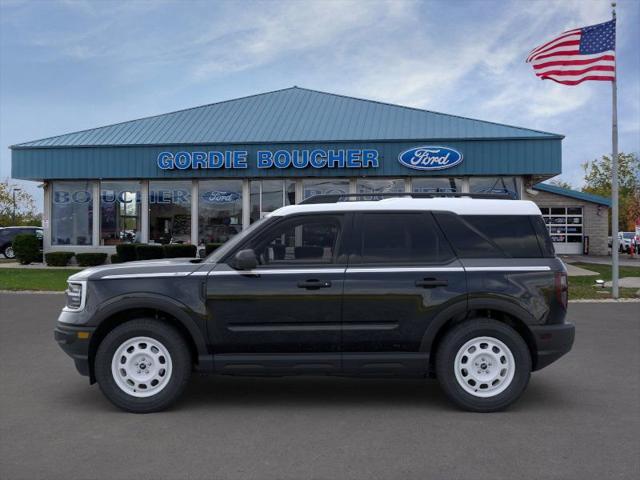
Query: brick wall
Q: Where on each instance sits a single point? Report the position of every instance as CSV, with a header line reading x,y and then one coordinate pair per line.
x,y
595,226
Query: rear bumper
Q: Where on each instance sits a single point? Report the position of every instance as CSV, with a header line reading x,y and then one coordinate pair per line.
x,y
74,341
552,342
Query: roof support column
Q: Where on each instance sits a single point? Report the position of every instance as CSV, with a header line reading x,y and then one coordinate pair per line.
x,y
46,217
95,236
144,211
465,185
246,203
194,212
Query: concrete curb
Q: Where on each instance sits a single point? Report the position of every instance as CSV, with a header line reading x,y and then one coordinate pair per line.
x,y
605,300
31,292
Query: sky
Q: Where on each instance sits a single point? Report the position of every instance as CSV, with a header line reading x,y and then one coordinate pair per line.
x,y
72,65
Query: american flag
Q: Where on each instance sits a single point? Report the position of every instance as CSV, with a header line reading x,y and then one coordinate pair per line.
x,y
587,53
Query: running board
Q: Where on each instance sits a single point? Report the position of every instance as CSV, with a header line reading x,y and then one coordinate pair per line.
x,y
348,364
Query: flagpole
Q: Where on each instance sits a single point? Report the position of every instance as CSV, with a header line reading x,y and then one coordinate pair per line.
x,y
614,177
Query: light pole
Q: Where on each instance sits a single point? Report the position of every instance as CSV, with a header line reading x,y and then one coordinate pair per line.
x,y
14,203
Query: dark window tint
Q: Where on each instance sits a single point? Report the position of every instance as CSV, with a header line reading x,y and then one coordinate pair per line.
x,y
402,238
310,239
513,234
467,241
544,240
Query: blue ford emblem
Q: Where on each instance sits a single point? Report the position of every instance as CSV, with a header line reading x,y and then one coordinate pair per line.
x,y
220,197
430,158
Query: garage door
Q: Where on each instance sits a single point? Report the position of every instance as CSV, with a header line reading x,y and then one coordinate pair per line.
x,y
565,228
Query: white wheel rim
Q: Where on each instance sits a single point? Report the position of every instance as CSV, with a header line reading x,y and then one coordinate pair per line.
x,y
9,252
141,367
484,367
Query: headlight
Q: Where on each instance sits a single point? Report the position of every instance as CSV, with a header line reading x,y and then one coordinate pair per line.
x,y
76,292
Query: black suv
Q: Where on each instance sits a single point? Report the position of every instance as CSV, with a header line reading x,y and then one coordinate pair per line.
x,y
7,234
466,290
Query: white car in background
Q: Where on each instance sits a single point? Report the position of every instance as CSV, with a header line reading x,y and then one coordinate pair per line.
x,y
625,240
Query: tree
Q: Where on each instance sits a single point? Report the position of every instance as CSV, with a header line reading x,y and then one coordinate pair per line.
x,y
558,182
597,180
25,207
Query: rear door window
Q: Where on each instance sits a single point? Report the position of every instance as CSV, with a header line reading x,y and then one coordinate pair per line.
x,y
401,238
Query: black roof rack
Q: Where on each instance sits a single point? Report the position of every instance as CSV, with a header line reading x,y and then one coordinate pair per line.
x,y
359,197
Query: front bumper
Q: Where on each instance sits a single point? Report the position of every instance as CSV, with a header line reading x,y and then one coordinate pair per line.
x,y
74,340
552,342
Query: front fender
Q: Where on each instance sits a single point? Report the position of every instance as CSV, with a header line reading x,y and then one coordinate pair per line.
x,y
193,322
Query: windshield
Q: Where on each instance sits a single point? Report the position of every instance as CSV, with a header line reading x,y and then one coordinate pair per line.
x,y
221,251
628,234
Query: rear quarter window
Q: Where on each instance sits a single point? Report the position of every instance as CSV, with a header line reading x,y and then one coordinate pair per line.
x,y
513,234
487,236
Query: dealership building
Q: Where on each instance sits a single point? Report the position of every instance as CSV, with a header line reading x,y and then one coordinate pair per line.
x,y
203,174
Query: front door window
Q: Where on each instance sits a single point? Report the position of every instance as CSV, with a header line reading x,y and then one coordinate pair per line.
x,y
302,240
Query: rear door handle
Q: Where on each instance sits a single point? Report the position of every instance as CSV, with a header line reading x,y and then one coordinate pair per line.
x,y
431,283
314,284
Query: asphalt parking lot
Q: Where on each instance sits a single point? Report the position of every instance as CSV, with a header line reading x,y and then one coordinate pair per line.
x,y
580,417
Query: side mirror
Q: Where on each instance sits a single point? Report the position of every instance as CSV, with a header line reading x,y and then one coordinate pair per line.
x,y
245,260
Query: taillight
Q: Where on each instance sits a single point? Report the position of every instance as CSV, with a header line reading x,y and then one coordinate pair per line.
x,y
562,289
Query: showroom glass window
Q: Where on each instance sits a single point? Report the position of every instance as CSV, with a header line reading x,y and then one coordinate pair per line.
x,y
269,195
219,210
436,184
499,185
170,212
379,185
71,213
119,212
324,186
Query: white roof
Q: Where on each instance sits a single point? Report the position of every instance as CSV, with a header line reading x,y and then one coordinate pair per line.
x,y
461,206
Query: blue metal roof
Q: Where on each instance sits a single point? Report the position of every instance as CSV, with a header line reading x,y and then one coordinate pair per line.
x,y
565,192
289,116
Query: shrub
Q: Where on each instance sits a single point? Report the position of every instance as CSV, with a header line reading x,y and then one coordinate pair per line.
x,y
90,259
58,259
149,252
210,247
126,252
177,250
115,258
27,248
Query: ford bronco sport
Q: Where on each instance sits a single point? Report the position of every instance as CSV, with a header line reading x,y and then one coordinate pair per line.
x,y
462,289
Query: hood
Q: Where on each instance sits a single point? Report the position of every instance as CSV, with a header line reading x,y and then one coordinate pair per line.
x,y
146,268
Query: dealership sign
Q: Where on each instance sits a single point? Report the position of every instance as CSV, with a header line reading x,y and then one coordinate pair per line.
x,y
430,158
266,159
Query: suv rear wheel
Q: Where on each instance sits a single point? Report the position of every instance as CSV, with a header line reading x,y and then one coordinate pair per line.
x,y
143,365
483,365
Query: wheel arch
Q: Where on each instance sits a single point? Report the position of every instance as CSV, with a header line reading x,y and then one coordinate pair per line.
x,y
499,309
120,310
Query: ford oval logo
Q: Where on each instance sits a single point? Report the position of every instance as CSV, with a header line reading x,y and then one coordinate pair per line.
x,y
220,197
430,158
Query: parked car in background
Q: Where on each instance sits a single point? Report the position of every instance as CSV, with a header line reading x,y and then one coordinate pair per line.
x,y
625,241
7,234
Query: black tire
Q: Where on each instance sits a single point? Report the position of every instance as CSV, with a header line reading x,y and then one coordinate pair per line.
x,y
180,357
456,338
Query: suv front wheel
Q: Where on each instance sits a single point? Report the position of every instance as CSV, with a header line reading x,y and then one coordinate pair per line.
x,y
483,365
8,252
143,365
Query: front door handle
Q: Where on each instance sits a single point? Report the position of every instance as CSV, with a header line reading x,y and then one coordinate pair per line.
x,y
314,284
431,283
